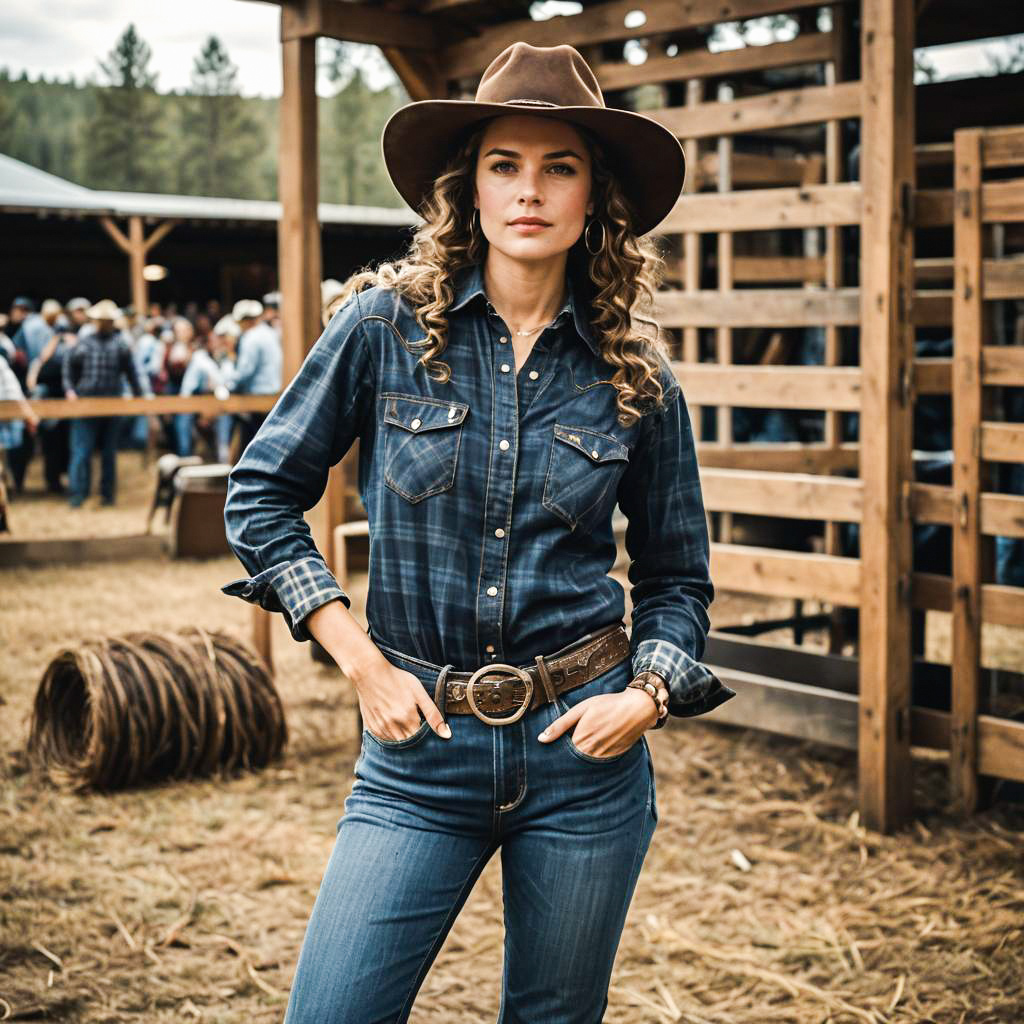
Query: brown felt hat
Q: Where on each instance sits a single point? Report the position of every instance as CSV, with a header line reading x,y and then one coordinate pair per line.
x,y
554,81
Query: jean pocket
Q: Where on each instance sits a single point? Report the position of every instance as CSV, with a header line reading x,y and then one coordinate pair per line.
x,y
584,469
421,441
610,681
405,742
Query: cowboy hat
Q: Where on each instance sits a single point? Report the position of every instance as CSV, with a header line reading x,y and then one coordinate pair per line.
x,y
105,309
247,309
554,81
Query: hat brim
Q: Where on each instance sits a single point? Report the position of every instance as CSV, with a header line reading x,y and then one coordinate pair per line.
x,y
646,157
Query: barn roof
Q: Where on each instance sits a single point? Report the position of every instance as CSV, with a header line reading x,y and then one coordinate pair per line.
x,y
26,189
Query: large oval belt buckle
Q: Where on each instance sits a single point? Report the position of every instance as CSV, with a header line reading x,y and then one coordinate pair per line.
x,y
487,670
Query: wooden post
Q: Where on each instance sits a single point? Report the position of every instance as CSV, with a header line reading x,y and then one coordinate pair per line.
x,y
723,335
886,342
137,246
691,249
967,416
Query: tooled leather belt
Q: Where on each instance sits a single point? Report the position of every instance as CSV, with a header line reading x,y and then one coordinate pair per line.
x,y
500,687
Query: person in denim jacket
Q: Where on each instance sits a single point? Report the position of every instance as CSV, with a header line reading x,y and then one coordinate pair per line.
x,y
507,389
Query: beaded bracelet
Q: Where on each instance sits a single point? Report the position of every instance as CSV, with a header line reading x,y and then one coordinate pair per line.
x,y
651,682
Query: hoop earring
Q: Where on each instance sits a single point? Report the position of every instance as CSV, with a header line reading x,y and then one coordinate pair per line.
x,y
474,223
586,237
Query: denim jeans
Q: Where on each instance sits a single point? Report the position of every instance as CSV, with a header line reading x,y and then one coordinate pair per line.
x,y
86,434
423,818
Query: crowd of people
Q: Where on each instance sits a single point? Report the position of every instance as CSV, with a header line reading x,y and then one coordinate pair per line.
x,y
80,349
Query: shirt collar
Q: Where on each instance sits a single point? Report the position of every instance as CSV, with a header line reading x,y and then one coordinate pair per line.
x,y
469,282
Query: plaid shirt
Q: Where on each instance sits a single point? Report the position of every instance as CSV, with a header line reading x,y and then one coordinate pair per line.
x,y
94,364
489,497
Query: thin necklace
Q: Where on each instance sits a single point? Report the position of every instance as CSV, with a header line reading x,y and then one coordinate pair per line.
x,y
533,330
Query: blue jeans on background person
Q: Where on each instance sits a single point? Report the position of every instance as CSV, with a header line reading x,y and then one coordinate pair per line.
x,y
87,434
424,817
182,428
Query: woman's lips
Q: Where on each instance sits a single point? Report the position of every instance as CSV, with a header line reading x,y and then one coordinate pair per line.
x,y
528,229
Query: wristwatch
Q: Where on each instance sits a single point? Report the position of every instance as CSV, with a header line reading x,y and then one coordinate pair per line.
x,y
652,683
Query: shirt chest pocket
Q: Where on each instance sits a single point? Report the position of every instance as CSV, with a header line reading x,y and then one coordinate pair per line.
x,y
584,469
422,437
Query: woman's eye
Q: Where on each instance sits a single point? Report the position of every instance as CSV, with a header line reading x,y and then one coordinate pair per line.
x,y
508,163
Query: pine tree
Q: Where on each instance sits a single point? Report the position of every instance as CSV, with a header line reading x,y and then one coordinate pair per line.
x,y
125,139
221,140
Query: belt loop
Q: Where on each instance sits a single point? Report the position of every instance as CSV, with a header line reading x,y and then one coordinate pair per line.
x,y
441,691
545,678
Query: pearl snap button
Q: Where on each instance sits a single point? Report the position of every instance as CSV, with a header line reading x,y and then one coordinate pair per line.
x,y
505,367
415,423
503,340
503,445
499,532
492,591
595,453
534,375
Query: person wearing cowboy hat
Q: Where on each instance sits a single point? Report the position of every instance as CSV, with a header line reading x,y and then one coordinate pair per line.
x,y
258,364
94,366
507,386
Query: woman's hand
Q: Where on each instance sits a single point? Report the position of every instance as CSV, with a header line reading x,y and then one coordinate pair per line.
x,y
390,699
607,724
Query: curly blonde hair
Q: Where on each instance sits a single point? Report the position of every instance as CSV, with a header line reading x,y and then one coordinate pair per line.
x,y
619,285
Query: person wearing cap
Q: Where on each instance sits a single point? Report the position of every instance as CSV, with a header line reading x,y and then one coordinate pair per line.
x,y
77,310
272,310
204,376
508,388
258,363
94,367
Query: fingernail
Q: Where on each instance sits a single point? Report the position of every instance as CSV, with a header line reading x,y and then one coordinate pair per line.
x,y
445,730
543,735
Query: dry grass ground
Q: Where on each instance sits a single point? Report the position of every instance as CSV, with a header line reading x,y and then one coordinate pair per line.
x,y
762,899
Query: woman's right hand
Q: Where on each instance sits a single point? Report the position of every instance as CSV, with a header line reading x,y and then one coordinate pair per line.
x,y
390,699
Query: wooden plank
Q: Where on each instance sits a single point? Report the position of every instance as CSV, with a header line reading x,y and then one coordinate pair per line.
x,y
784,109
1003,605
783,456
1002,202
16,554
691,247
757,169
795,495
1003,147
1001,747
366,23
758,307
933,207
766,209
887,261
1001,515
1002,442
773,269
772,387
968,326
804,49
602,23
931,375
932,309
746,569
1004,278
158,405
1002,365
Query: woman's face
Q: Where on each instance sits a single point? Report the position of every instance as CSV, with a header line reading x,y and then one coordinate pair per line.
x,y
532,166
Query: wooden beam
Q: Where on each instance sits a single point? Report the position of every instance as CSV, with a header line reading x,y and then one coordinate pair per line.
x,y
158,405
365,23
775,269
804,49
1002,442
746,569
769,112
794,495
783,456
968,324
602,23
886,274
1002,365
772,387
758,307
766,209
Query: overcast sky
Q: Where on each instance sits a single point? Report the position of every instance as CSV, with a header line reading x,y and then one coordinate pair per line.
x,y
68,36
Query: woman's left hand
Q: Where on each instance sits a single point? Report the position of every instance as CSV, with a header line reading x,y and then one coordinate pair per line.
x,y
607,723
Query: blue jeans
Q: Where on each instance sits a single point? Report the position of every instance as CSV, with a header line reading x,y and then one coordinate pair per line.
x,y
87,434
423,818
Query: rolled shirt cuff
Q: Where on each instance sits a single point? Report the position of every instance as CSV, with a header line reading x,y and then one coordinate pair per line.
x,y
693,689
293,588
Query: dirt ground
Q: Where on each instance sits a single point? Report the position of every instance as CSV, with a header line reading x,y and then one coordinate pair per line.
x,y
762,898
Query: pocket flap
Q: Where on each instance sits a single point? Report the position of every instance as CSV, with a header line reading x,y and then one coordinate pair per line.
x,y
416,413
598,447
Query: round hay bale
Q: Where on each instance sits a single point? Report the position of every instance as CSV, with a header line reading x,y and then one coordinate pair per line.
x,y
118,711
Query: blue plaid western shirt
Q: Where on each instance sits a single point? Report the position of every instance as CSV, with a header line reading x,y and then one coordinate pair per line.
x,y
489,497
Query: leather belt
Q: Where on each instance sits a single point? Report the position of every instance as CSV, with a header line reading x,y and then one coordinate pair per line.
x,y
501,687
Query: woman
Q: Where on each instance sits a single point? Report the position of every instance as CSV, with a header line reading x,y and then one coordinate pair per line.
x,y
503,701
